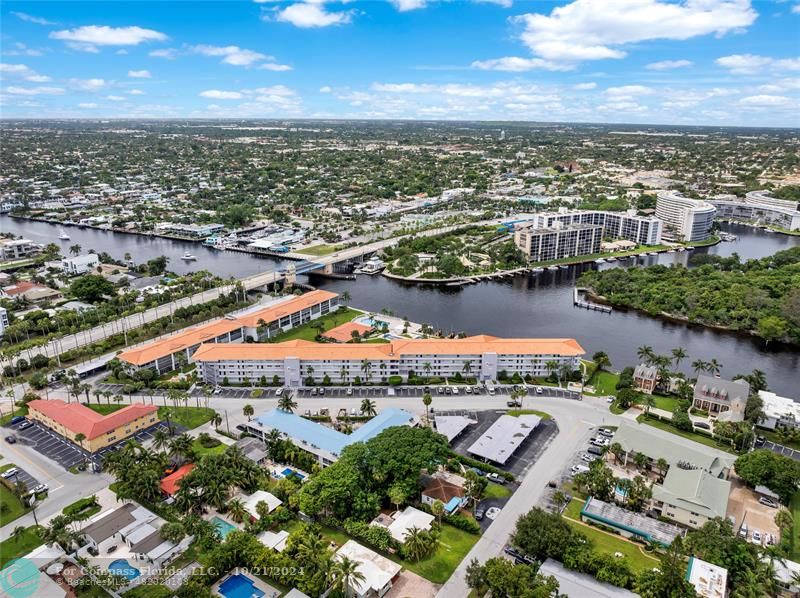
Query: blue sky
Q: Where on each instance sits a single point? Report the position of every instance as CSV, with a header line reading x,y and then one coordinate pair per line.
x,y
718,62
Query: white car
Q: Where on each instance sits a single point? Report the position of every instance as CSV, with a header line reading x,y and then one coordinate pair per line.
x,y
455,390
9,472
349,391
606,432
492,513
588,458
756,539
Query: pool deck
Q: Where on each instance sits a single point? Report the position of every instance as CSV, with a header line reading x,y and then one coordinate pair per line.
x,y
214,513
269,591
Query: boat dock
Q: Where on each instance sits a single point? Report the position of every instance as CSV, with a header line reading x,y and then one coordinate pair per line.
x,y
578,302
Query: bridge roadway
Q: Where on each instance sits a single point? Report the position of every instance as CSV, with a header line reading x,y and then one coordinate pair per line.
x,y
98,333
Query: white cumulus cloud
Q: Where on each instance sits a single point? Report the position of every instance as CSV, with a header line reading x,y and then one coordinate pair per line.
x,y
668,65
143,74
135,92
233,55
94,84
585,86
307,15
751,64
218,94
516,64
91,36
765,101
406,5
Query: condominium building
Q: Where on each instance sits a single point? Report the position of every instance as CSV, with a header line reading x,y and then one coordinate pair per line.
x,y
260,323
776,213
642,230
685,219
3,321
541,245
99,431
14,249
765,198
482,357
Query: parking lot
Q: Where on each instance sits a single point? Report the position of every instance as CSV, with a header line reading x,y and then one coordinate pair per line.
x,y
25,478
50,444
743,507
781,450
67,454
527,453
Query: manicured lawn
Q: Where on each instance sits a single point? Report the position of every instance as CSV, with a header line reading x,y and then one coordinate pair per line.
x,y
7,418
201,451
518,412
16,547
309,333
191,417
666,403
668,427
496,491
318,250
454,544
15,508
605,383
794,507
609,543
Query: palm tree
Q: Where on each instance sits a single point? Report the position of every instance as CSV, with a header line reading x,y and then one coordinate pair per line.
x,y
345,297
344,373
248,411
714,367
437,510
552,367
467,369
181,446
427,368
75,249
698,365
368,407
345,575
645,353
286,402
18,532
601,360
366,367
427,400
648,401
79,438
662,465
417,543
236,510
678,355
161,439
216,420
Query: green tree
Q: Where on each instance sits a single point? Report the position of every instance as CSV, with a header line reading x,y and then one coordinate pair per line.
x,y
91,288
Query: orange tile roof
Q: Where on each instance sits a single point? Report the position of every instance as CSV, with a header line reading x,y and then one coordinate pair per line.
x,y
285,308
194,336
306,350
183,340
344,333
171,483
80,419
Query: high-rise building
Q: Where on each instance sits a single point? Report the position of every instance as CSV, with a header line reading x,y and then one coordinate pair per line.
x,y
684,219
765,198
545,244
642,230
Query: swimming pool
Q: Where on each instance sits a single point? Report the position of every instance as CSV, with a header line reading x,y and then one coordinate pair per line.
x,y
288,472
223,527
239,586
124,569
367,321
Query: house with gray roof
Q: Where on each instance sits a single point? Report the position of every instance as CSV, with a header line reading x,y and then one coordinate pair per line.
x,y
691,497
645,378
723,399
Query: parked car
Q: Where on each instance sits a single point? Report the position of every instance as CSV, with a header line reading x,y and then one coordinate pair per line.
x,y
279,392
455,390
479,513
17,418
440,390
760,440
768,502
496,477
606,432
321,391
702,425
491,391
600,441
552,484
513,404
595,450
479,472
25,425
579,469
448,390
743,530
511,551
9,473
41,488
589,458
756,539
539,390
11,439
314,391
349,391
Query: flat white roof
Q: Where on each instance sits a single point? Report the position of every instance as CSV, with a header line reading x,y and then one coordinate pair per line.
x,y
504,436
778,407
276,541
709,580
410,517
376,569
250,502
451,425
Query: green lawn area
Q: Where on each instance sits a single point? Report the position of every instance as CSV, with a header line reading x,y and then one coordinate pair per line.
x,y
496,491
191,417
318,250
666,403
454,544
610,543
794,507
605,383
518,412
697,437
17,547
8,417
15,508
201,451
332,320
772,436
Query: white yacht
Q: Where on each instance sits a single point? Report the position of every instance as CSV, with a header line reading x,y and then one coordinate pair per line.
x,y
188,257
63,236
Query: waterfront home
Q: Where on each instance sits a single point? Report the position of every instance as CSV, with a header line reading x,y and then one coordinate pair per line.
x,y
725,399
81,264
645,378
778,411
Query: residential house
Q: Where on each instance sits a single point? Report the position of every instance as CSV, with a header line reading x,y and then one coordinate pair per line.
x,y
378,572
171,483
645,378
778,411
81,264
724,399
709,580
253,449
451,495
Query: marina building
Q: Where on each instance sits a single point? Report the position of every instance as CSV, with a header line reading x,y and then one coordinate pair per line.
x,y
259,323
642,230
546,244
99,431
685,219
482,357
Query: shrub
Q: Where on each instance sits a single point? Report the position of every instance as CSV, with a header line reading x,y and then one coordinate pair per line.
x,y
395,380
462,522
469,462
377,536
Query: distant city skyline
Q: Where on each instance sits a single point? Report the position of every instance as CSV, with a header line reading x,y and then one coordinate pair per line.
x,y
684,62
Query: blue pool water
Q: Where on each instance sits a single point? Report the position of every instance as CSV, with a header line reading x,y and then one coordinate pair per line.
x,y
239,586
367,321
124,569
223,527
291,472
